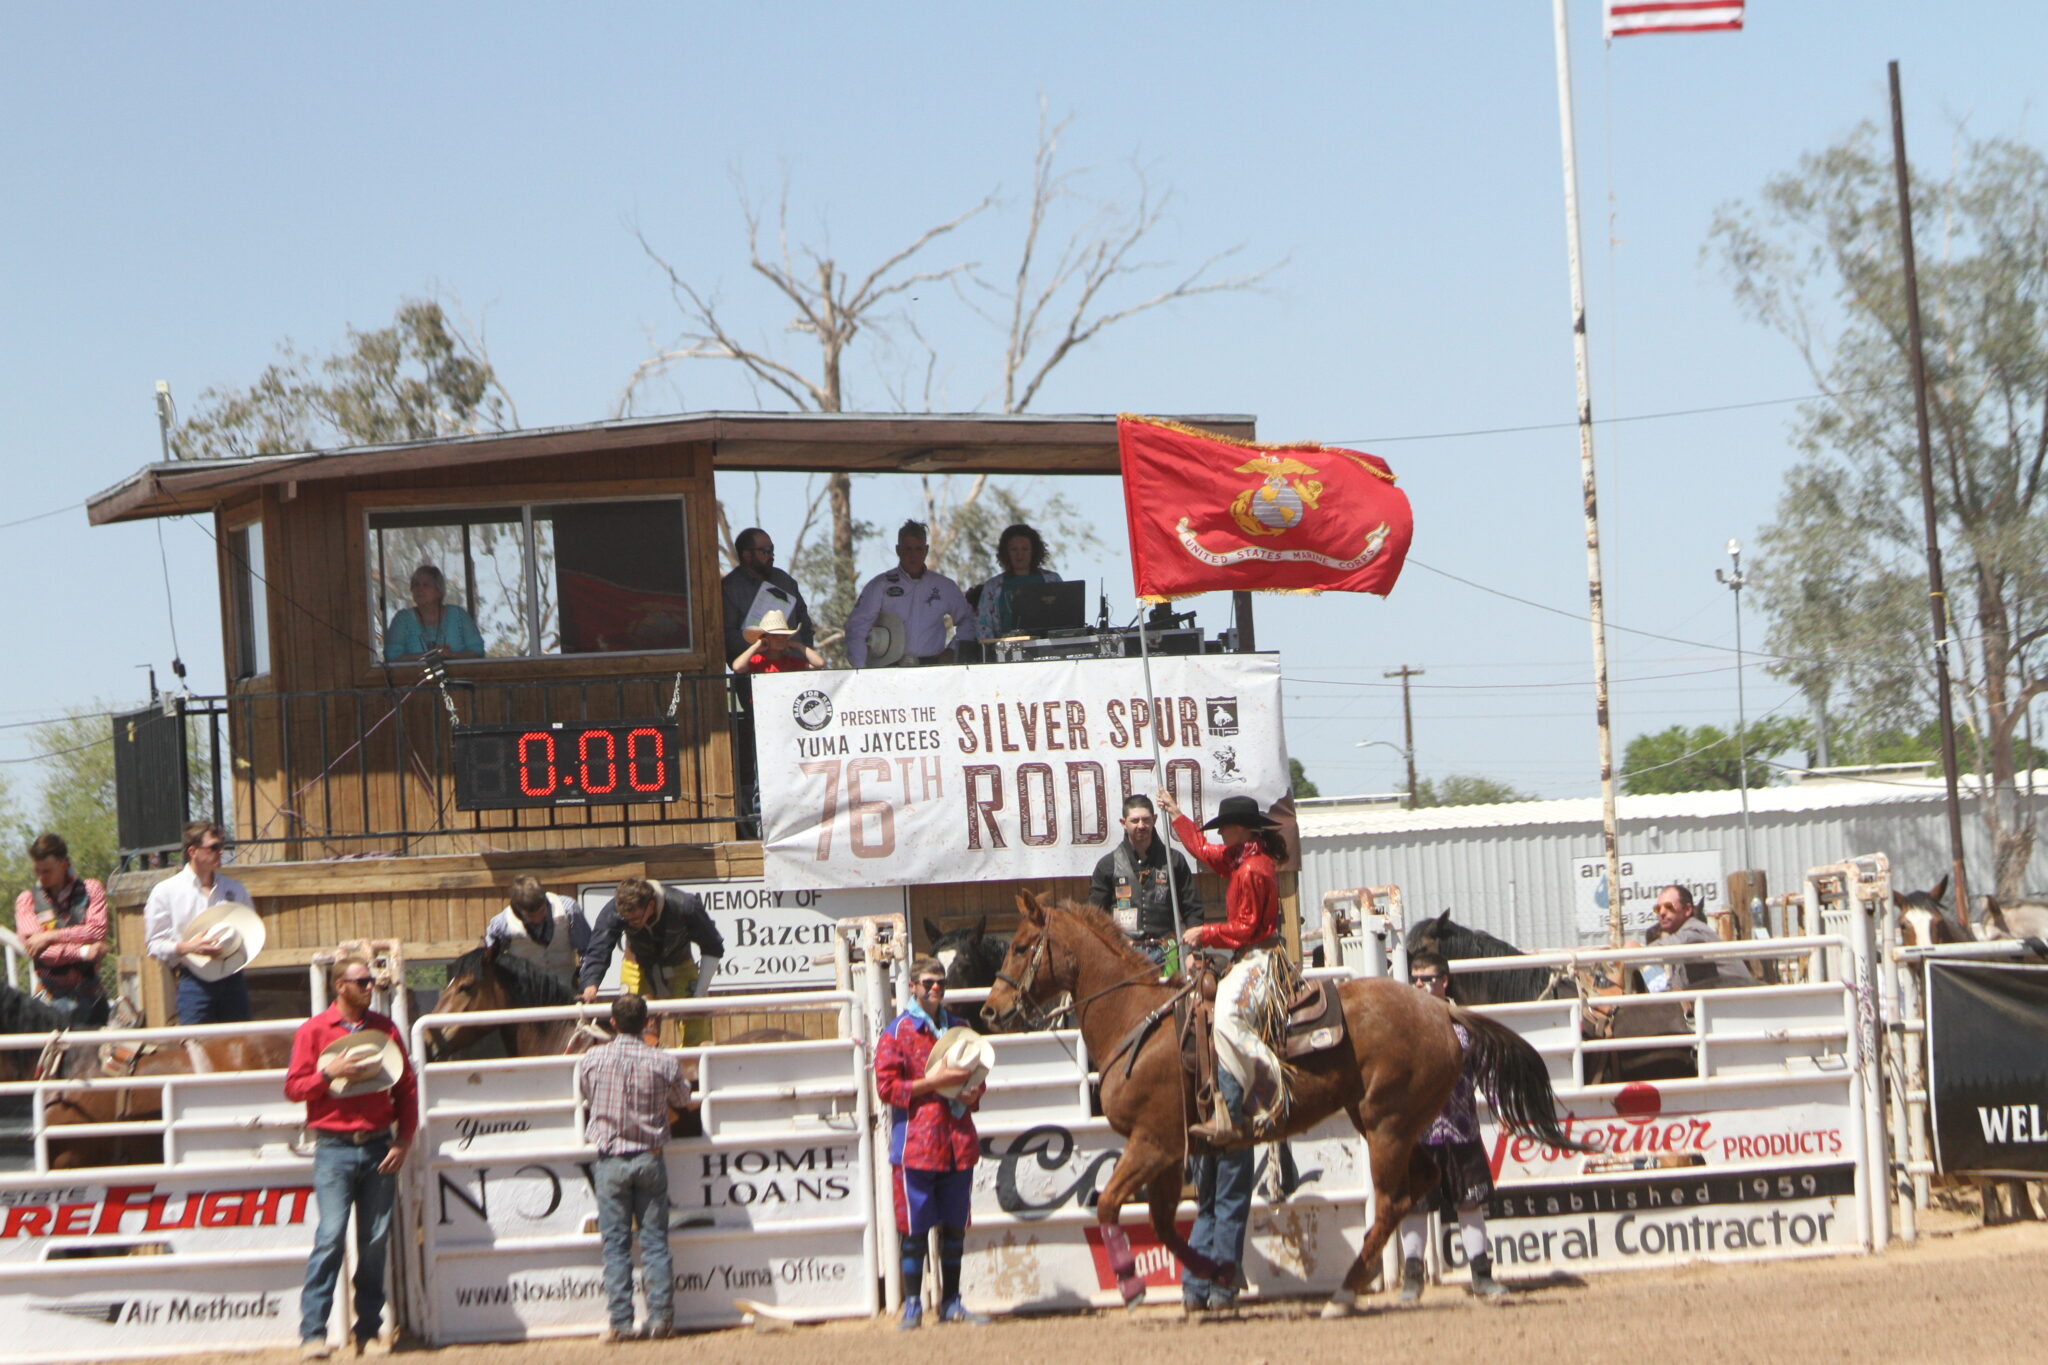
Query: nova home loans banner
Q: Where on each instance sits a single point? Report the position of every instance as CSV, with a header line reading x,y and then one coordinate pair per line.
x,y
893,776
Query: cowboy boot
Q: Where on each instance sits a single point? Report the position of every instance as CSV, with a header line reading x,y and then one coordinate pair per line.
x,y
1411,1280
1219,1128
1483,1284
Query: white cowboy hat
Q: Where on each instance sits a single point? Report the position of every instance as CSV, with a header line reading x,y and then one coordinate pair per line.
x,y
236,932
962,1046
367,1044
888,639
774,623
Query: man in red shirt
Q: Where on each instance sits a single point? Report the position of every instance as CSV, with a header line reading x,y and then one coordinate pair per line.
x,y
360,1140
932,1143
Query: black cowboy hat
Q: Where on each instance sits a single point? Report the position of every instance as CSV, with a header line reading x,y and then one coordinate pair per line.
x,y
1241,810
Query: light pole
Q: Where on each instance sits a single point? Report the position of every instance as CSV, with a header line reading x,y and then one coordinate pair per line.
x,y
1734,579
1407,754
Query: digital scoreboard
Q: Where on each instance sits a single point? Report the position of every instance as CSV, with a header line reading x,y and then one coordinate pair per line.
x,y
566,763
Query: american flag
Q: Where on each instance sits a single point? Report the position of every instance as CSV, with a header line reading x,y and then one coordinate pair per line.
x,y
1625,18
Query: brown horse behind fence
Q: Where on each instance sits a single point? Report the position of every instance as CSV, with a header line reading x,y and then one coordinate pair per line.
x,y
1391,1079
144,1104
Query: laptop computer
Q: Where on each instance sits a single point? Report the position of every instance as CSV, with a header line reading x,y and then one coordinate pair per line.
x,y
1050,608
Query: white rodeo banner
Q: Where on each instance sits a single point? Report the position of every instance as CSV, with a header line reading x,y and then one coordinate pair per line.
x,y
894,776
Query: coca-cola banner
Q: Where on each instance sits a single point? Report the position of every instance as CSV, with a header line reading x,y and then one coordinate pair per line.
x,y
894,776
1987,1044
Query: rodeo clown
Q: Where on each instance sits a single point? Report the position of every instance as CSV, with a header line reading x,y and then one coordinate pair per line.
x,y
932,1072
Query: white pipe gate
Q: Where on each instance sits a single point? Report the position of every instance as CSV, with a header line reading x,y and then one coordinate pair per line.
x,y
1772,1148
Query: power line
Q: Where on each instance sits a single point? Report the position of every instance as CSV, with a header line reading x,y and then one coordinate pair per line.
x,y
42,516
1613,421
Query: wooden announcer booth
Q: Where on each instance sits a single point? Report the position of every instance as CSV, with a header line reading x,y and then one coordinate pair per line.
x,y
368,798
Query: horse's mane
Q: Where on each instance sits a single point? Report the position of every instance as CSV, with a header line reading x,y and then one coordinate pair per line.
x,y
1462,940
21,1012
527,984
1103,927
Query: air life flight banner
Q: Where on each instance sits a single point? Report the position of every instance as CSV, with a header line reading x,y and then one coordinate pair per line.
x,y
894,776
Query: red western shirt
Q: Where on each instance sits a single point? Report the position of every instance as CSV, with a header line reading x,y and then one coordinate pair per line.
x,y
925,1135
329,1113
1251,893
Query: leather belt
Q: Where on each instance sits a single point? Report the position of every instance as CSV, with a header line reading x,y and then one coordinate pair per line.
x,y
353,1138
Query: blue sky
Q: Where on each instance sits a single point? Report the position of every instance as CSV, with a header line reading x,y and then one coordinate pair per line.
x,y
190,185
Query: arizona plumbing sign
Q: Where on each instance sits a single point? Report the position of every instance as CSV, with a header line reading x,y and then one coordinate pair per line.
x,y
898,776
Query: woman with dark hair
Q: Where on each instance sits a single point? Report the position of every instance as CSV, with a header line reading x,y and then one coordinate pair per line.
x,y
1020,555
431,623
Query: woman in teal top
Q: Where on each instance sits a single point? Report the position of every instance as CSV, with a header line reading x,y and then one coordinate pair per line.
x,y
430,623
1020,553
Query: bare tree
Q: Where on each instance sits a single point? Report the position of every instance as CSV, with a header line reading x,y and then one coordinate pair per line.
x,y
1054,303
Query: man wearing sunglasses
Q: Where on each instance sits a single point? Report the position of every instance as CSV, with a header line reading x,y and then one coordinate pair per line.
x,y
173,904
932,1143
360,1137
1464,1179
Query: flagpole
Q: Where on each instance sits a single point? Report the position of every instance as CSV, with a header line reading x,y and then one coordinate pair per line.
x,y
1595,592
1159,763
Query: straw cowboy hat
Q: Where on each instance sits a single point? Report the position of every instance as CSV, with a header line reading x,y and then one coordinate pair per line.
x,y
367,1044
774,623
1242,810
236,931
962,1046
888,639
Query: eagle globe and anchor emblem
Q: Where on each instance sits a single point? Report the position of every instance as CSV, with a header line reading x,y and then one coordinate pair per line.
x,y
1286,493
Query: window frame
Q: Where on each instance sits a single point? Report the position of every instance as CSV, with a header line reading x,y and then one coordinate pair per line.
x,y
248,597
525,499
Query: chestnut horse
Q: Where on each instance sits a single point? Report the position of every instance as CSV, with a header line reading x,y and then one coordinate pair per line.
x,y
141,1104
1399,1063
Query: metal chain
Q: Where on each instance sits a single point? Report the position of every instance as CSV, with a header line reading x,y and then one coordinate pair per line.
x,y
675,699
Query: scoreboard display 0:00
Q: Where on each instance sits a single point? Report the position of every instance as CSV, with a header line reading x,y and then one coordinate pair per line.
x,y
569,763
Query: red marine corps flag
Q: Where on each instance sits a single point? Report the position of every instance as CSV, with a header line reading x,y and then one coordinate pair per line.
x,y
1212,514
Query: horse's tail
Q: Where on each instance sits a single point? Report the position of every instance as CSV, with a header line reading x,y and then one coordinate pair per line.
x,y
1515,1080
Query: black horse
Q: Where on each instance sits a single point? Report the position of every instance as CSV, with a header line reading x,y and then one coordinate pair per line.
x,y
971,956
1449,939
21,1012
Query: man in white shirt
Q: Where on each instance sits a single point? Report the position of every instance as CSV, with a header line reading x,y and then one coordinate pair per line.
x,y
920,597
539,927
173,903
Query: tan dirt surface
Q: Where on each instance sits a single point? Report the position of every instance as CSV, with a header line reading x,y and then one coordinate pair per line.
x,y
1970,1298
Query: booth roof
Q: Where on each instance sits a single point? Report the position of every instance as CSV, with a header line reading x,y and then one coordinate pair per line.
x,y
808,442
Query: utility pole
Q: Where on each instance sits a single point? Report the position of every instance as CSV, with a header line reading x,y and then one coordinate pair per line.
x,y
1937,595
1404,673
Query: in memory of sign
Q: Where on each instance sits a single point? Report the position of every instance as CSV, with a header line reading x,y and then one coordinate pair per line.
x,y
894,776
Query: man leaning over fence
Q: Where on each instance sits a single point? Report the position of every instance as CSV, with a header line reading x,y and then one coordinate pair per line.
x,y
659,925
630,1089
362,1107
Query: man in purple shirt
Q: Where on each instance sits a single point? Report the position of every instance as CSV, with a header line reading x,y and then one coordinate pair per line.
x,y
1465,1179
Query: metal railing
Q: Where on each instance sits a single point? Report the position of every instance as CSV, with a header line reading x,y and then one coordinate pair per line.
x,y
355,771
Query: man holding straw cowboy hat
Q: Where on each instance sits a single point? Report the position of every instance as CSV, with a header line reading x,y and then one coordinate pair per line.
x,y
362,1107
202,924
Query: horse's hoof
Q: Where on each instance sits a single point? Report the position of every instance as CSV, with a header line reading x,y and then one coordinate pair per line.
x,y
1342,1304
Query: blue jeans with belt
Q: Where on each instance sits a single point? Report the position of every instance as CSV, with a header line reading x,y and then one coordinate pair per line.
x,y
1223,1208
200,1001
345,1177
634,1188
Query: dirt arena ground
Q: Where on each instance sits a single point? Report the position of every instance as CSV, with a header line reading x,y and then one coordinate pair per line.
x,y
1968,1296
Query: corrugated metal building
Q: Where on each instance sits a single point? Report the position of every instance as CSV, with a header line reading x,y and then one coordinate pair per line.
x,y
1508,868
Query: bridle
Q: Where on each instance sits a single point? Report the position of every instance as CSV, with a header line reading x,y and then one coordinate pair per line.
x,y
1035,1016
1027,1008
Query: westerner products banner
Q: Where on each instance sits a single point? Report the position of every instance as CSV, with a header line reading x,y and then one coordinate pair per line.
x,y
893,776
1987,1044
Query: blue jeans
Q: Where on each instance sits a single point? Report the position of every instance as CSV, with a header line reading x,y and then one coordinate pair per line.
x,y
1223,1206
212,1002
635,1189
345,1176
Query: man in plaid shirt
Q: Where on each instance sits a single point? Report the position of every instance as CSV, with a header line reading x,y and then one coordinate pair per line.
x,y
932,1144
629,1089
